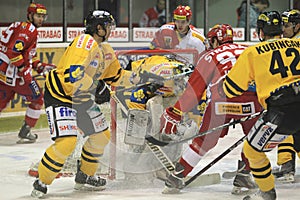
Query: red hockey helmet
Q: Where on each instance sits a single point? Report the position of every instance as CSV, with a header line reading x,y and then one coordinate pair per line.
x,y
182,13
222,32
36,8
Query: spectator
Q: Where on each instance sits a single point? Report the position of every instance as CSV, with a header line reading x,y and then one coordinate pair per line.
x,y
155,16
296,4
255,9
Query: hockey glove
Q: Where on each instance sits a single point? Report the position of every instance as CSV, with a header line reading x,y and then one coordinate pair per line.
x,y
170,120
44,68
102,94
25,74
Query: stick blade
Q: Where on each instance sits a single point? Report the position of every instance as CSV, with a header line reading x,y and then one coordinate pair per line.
x,y
205,179
155,141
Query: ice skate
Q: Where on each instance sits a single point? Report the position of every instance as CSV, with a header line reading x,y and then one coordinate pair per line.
x,y
39,189
26,137
243,182
174,182
260,195
86,182
286,172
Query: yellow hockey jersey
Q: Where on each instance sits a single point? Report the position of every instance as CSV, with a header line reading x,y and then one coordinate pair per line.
x,y
83,63
270,64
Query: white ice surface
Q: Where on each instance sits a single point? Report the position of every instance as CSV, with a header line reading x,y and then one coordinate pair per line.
x,y
15,183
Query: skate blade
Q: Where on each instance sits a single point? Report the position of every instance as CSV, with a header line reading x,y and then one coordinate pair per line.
x,y
37,194
242,191
168,190
86,187
287,178
25,141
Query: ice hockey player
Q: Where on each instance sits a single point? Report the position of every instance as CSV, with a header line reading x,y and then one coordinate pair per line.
x,y
208,75
17,61
273,64
69,103
286,150
179,34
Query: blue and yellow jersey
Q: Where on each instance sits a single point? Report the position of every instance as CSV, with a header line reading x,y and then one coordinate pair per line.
x,y
83,63
271,64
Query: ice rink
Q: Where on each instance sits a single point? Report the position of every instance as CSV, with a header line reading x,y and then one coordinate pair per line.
x,y
17,184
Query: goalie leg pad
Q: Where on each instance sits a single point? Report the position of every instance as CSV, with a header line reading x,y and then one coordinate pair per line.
x,y
154,105
136,127
263,136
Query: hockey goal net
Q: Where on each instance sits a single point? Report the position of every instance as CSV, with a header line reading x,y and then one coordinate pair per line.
x,y
112,163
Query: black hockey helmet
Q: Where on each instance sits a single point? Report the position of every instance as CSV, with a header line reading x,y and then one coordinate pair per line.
x,y
98,17
291,15
270,23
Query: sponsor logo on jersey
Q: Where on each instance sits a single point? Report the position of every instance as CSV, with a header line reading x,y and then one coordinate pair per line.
x,y
19,46
24,36
94,63
35,89
90,43
67,112
67,127
267,131
108,56
80,41
23,25
76,73
234,108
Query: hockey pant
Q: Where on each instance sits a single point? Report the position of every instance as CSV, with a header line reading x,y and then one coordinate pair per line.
x,y
30,92
64,126
201,145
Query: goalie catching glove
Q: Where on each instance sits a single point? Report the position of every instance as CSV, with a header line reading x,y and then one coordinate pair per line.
x,y
169,122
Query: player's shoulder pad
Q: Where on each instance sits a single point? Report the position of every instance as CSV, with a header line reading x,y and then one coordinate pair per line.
x,y
197,34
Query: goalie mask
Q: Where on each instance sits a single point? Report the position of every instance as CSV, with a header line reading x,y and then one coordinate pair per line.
x,y
99,17
270,23
223,33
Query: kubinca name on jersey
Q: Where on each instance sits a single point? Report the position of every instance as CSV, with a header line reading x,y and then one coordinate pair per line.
x,y
276,45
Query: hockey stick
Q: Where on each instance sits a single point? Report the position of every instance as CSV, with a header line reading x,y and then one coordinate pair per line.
x,y
222,155
164,143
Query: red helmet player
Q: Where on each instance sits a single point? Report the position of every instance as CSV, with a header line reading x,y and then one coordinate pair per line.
x,y
182,13
222,33
182,19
